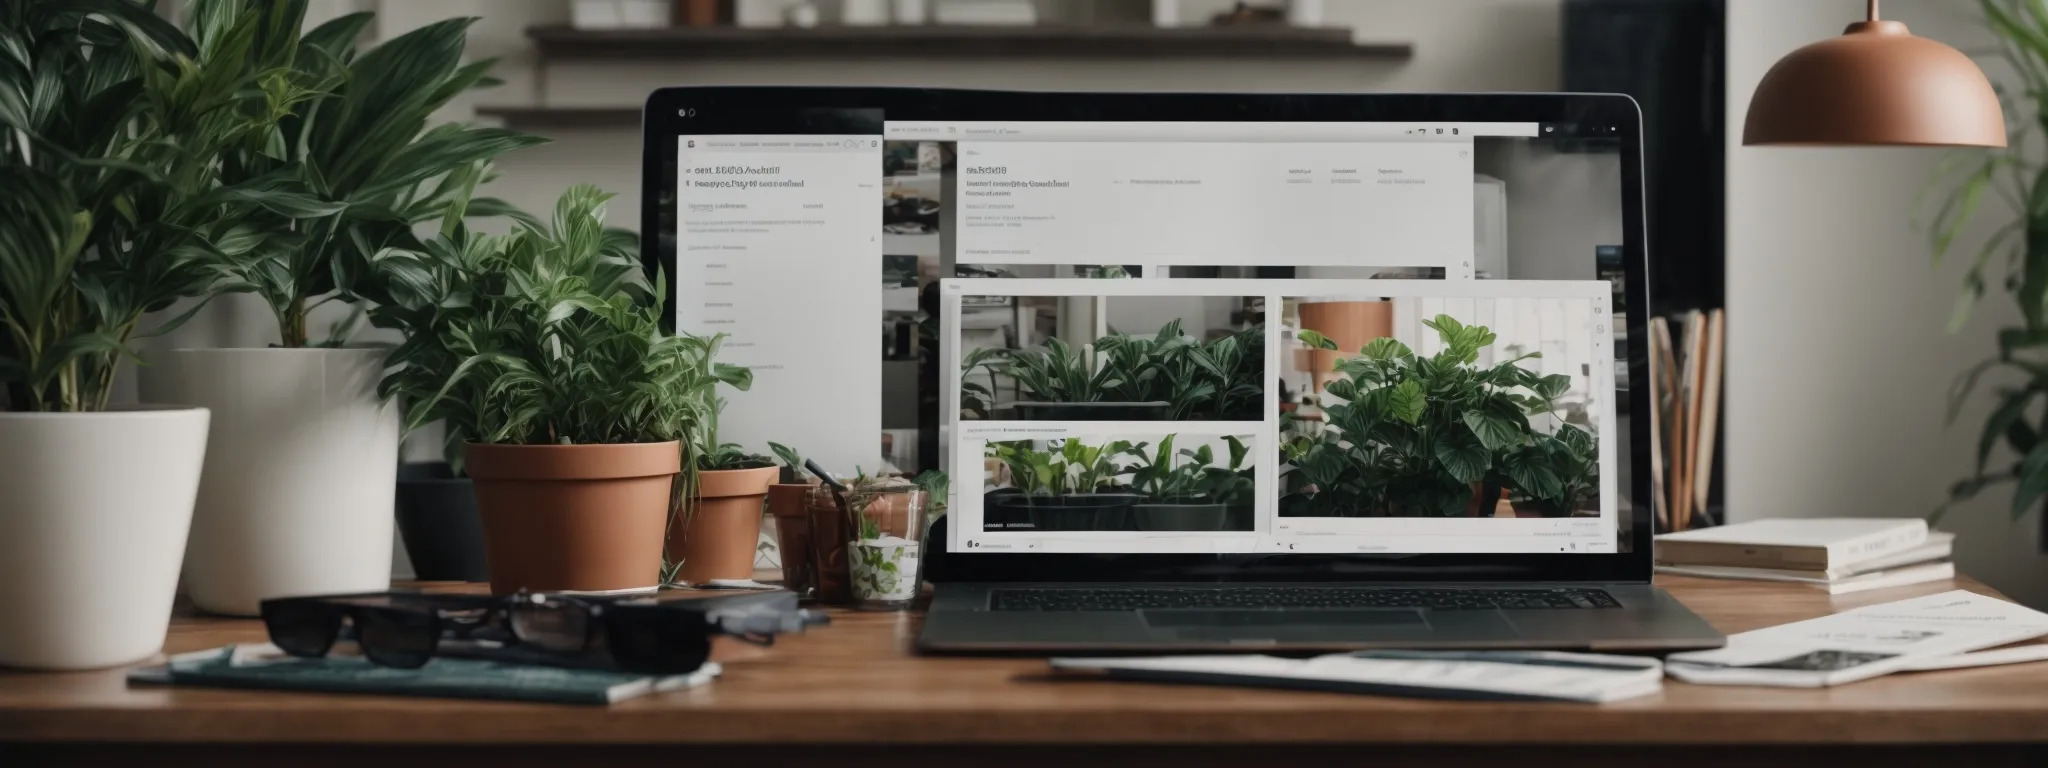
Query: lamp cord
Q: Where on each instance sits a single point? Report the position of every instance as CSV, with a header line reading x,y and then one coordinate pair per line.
x,y
1872,10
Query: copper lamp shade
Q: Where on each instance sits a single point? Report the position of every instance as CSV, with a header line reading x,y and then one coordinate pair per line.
x,y
1876,84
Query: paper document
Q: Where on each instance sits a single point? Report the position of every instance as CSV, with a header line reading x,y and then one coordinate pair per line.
x,y
1862,643
1490,675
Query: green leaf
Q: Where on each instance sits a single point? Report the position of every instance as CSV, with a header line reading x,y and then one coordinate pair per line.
x,y
1551,387
1405,401
2008,413
1492,431
1464,457
1315,340
1532,476
1387,349
2033,481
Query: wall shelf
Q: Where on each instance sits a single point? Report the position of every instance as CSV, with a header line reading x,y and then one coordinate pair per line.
x,y
929,41
563,117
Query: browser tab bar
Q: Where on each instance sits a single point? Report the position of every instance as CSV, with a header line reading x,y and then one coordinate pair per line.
x,y
1199,131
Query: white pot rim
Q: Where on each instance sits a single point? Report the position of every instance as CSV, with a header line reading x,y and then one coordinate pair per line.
x,y
143,411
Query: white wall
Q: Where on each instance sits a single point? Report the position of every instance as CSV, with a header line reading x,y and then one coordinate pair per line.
x,y
1838,364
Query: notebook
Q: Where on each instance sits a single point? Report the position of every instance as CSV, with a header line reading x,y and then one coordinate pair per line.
x,y
263,666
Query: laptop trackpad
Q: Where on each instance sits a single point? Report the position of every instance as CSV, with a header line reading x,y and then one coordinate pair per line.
x,y
1325,625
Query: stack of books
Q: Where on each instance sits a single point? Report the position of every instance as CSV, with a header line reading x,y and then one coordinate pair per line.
x,y
1837,554
1685,385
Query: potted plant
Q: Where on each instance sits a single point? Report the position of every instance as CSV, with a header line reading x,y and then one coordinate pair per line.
x,y
1421,437
1070,487
1185,492
1063,386
109,210
542,352
297,497
1167,376
787,505
717,516
885,524
437,519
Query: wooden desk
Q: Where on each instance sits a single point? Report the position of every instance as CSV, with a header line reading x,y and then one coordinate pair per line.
x,y
852,694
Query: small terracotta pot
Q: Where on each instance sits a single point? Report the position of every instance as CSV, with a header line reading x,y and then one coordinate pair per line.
x,y
828,548
585,518
724,525
792,534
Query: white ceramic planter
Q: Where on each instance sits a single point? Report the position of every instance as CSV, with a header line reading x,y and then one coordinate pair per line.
x,y
300,471
93,513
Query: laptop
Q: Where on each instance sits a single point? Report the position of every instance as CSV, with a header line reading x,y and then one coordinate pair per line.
x,y
1211,371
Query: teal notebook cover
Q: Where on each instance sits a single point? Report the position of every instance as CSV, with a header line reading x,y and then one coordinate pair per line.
x,y
440,678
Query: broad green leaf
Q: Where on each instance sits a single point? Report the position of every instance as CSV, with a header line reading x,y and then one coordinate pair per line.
x,y
1492,431
1463,457
1405,401
1532,476
1385,349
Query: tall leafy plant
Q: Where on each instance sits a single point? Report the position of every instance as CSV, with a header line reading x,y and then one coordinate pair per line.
x,y
352,144
2015,256
113,203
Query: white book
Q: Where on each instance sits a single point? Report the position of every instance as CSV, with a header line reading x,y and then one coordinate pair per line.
x,y
1938,546
1485,675
1897,577
1793,543
1863,582
1864,643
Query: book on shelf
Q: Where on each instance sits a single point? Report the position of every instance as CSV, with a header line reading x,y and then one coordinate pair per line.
x,y
1820,543
1686,366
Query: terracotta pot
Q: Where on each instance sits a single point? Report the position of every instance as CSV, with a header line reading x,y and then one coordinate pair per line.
x,y
583,518
828,548
787,504
696,13
725,525
1478,506
1351,324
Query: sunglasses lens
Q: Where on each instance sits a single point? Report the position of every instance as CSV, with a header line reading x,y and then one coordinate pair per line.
x,y
302,627
554,624
397,638
656,641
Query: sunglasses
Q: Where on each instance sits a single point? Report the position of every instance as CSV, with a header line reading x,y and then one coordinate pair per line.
x,y
405,630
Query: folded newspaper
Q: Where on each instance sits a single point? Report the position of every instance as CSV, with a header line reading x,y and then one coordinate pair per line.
x,y
1932,632
1485,675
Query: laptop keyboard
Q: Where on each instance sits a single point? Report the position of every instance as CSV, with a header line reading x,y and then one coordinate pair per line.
x,y
1145,598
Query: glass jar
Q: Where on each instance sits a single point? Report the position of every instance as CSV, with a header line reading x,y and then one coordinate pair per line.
x,y
884,542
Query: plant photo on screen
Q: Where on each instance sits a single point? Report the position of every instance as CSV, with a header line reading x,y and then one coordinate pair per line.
x,y
1166,375
1085,484
1407,435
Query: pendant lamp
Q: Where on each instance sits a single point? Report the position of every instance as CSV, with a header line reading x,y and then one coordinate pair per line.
x,y
1877,84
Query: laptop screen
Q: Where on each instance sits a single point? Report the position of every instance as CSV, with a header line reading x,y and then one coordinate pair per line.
x,y
1069,385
